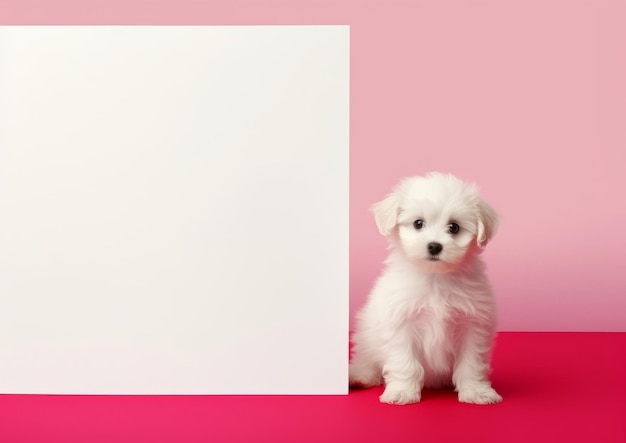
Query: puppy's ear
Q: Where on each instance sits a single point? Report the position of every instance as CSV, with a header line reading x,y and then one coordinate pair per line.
x,y
386,213
487,224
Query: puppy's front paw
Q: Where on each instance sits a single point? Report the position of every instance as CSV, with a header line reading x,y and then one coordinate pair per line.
x,y
481,395
397,395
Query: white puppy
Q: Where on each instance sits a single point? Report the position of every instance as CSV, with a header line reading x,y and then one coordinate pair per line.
x,y
430,320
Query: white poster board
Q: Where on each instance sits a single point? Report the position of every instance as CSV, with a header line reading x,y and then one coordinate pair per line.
x,y
174,210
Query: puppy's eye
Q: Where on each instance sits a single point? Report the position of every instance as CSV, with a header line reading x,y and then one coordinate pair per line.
x,y
418,224
453,228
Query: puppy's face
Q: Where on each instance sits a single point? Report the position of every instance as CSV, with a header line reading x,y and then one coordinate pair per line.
x,y
438,221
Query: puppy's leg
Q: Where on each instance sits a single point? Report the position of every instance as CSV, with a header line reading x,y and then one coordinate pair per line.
x,y
364,371
403,374
472,367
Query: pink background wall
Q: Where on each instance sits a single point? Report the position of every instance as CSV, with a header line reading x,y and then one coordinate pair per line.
x,y
526,98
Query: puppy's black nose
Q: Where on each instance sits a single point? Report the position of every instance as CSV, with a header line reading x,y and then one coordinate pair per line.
x,y
434,248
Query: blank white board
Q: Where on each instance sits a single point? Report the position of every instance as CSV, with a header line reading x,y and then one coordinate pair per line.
x,y
174,210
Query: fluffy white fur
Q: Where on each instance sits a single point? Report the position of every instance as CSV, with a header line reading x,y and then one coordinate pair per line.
x,y
430,320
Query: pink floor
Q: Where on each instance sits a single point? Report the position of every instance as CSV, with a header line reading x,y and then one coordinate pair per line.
x,y
557,387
